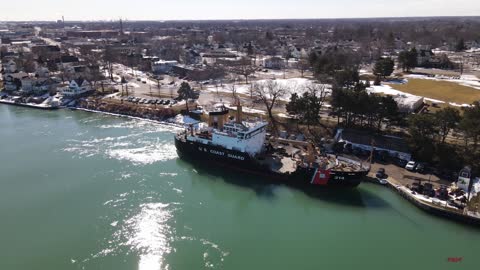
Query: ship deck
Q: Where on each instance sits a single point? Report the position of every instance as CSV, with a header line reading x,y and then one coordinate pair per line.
x,y
286,158
280,164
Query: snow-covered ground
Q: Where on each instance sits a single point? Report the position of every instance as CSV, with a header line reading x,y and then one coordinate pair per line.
x,y
388,90
294,85
246,109
183,120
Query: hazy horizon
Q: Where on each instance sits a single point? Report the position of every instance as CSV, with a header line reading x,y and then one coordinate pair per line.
x,y
145,10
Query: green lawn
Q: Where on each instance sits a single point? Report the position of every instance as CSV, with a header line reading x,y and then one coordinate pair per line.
x,y
441,90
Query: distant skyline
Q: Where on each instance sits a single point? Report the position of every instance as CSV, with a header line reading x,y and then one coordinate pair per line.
x,y
35,10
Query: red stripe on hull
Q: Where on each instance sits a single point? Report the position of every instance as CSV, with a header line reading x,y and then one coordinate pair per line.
x,y
321,177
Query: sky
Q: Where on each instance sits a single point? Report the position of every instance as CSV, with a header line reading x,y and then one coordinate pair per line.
x,y
228,9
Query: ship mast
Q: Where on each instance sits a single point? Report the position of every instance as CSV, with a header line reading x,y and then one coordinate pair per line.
x,y
238,118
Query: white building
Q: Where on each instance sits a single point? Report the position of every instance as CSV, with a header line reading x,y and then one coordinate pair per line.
x,y
408,103
274,63
78,87
163,66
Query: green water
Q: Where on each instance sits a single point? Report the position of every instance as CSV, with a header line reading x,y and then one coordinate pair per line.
x,y
90,191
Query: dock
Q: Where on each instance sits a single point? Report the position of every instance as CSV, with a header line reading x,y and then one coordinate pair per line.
x,y
433,206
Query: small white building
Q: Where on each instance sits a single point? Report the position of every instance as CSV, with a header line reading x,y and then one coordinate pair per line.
x,y
464,178
408,103
274,63
78,87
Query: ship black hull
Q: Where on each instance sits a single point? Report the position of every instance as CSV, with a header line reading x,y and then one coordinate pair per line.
x,y
242,162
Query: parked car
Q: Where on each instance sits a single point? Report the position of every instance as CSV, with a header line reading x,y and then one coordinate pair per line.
x,y
420,168
380,173
411,165
167,102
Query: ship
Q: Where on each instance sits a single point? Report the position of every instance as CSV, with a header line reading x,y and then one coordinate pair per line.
x,y
245,146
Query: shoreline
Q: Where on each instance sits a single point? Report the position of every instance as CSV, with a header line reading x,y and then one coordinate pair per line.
x,y
128,116
430,208
30,105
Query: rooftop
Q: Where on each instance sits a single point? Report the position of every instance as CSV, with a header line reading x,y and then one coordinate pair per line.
x,y
380,141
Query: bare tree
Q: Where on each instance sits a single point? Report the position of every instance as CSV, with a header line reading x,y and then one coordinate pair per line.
x,y
108,59
232,89
269,93
302,65
245,68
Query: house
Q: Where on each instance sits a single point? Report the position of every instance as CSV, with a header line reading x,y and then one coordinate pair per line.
x,y
212,56
13,81
78,87
82,71
47,51
297,52
424,57
163,66
191,57
38,85
274,62
9,66
396,147
42,72
67,61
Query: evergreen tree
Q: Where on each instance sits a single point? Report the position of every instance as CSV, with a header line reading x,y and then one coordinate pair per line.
x,y
384,67
407,59
422,129
447,119
460,46
470,124
307,107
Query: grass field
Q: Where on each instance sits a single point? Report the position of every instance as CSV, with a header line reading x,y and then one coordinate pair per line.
x,y
440,90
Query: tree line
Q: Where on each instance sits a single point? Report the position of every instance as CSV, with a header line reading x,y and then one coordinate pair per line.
x,y
432,138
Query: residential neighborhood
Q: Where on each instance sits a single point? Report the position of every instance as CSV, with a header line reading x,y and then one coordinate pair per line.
x,y
335,112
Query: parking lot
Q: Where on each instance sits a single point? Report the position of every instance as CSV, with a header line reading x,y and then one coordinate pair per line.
x,y
150,101
406,177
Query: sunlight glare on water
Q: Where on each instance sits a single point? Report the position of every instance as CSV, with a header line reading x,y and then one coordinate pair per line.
x,y
150,234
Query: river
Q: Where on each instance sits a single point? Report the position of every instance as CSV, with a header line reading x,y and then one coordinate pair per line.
x,y
81,190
